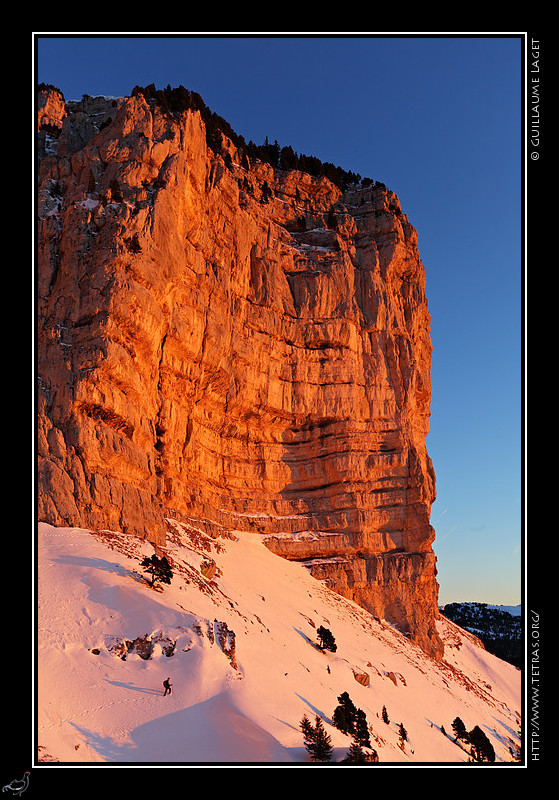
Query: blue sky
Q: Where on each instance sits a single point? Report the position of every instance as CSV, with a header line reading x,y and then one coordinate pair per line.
x,y
438,120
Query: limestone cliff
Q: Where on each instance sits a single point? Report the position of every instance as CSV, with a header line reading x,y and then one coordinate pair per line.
x,y
230,343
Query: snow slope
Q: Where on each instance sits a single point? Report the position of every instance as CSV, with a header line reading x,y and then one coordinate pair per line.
x,y
238,704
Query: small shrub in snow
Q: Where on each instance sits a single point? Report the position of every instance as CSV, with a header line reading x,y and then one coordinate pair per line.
x,y
326,640
158,568
317,741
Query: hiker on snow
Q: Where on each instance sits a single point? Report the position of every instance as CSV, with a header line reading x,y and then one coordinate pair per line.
x,y
167,686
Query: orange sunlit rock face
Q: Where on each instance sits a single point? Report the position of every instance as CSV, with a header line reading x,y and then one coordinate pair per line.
x,y
236,345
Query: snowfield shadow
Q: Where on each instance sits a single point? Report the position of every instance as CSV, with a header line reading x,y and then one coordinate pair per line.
x,y
213,731
98,563
142,689
305,637
314,710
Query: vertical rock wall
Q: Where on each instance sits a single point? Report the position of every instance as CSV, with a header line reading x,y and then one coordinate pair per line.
x,y
235,344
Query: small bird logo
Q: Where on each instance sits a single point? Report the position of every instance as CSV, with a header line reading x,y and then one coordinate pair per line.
x,y
17,787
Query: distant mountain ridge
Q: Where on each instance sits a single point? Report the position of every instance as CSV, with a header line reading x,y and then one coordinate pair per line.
x,y
499,628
